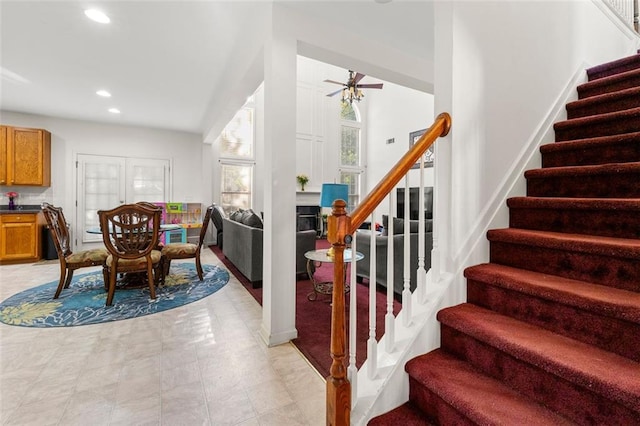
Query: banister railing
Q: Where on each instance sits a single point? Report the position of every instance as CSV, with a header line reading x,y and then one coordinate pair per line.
x,y
341,227
627,10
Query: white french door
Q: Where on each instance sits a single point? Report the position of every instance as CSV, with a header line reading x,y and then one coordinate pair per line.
x,y
104,182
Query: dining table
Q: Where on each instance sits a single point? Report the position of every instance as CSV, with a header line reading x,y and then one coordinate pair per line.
x,y
135,280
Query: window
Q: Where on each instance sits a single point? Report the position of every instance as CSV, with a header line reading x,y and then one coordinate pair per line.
x,y
236,186
236,140
353,180
351,152
237,162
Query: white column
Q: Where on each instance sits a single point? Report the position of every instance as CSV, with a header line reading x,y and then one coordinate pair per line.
x,y
279,185
443,102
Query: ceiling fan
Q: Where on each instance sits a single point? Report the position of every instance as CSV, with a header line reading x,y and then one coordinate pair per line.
x,y
351,89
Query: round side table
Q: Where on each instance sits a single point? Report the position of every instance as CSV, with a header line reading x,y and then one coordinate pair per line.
x,y
320,256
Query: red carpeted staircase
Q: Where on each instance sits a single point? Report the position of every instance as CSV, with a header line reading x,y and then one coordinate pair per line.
x,y
550,333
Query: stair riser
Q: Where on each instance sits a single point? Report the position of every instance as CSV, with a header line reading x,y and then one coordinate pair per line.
x,y
594,155
434,406
606,223
604,107
575,402
595,185
607,333
611,271
603,128
613,69
595,90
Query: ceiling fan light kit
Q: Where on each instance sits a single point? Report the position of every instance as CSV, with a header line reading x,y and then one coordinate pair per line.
x,y
352,90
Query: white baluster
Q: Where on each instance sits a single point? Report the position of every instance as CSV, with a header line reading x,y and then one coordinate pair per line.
x,y
389,319
352,370
421,275
406,275
372,343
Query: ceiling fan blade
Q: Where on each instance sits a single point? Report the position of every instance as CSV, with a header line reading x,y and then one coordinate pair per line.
x,y
371,86
336,82
335,93
357,78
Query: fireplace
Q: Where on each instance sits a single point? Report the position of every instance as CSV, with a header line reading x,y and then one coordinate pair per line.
x,y
309,218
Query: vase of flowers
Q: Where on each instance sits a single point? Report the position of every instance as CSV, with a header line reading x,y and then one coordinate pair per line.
x,y
302,180
12,195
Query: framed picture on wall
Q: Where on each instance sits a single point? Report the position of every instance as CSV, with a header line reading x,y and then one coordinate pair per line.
x,y
428,156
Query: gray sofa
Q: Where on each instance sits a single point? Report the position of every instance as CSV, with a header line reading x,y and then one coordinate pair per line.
x,y
243,237
364,247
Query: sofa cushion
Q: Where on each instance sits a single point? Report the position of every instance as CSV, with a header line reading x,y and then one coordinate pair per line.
x,y
252,219
398,225
236,216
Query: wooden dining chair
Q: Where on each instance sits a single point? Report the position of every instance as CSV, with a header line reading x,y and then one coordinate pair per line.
x,y
130,233
69,260
186,250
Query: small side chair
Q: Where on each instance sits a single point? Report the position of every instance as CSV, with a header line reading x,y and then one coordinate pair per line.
x,y
186,250
130,233
69,261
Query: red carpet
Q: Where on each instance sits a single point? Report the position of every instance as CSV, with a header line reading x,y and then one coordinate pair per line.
x,y
551,328
313,318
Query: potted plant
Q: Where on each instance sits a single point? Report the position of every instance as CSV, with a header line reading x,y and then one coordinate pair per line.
x,y
302,180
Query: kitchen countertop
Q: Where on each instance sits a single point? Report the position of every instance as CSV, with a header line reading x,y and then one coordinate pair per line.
x,y
20,209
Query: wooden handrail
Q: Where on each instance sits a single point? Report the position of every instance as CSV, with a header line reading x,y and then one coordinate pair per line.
x,y
341,227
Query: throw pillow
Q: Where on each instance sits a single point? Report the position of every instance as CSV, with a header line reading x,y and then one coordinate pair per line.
x,y
252,219
236,216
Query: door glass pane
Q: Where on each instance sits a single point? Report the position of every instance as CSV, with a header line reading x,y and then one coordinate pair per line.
x,y
236,187
100,189
147,180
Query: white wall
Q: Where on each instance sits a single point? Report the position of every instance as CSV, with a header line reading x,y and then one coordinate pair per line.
x,y
394,112
71,137
501,70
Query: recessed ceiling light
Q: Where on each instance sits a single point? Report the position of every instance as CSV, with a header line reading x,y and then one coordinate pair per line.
x,y
103,93
114,110
97,15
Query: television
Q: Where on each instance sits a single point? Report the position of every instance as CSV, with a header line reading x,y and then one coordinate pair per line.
x,y
414,206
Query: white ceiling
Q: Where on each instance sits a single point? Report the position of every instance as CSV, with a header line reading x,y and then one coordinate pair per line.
x,y
163,61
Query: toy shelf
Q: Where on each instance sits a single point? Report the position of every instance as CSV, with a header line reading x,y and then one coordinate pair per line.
x,y
188,216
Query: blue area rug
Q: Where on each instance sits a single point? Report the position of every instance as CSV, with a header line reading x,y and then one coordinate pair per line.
x,y
84,301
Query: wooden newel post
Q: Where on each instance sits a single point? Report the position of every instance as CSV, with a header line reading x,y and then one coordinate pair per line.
x,y
338,386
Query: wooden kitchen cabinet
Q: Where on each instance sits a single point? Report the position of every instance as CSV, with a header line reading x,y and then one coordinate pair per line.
x,y
20,237
25,156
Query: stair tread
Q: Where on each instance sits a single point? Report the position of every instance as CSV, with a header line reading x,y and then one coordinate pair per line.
x,y
628,114
590,142
479,397
590,170
631,92
609,80
603,300
600,371
626,61
566,203
601,245
407,414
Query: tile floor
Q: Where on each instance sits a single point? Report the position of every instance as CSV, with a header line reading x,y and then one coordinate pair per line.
x,y
200,364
